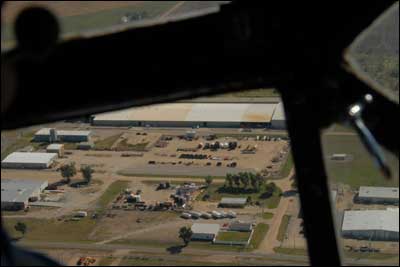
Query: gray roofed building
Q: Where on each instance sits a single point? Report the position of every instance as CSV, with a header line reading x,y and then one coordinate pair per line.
x,y
205,231
371,224
232,202
15,194
44,135
28,160
241,226
383,195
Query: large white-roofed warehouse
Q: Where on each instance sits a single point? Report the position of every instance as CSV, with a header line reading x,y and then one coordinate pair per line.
x,y
378,225
378,195
213,115
15,194
28,160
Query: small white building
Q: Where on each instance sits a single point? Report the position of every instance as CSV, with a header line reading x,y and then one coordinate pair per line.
x,y
378,195
379,225
56,148
15,194
205,231
28,160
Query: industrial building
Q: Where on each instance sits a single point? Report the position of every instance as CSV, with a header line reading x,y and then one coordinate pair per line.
x,y
377,225
28,160
214,115
56,148
51,135
16,194
378,195
241,226
228,202
204,231
278,120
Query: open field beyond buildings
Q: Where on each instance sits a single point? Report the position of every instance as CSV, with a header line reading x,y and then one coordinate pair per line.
x,y
360,169
233,236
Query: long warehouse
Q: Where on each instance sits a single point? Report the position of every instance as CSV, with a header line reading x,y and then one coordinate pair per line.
x,y
217,115
380,225
27,160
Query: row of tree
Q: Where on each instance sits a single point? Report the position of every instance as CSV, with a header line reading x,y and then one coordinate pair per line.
x,y
69,170
245,179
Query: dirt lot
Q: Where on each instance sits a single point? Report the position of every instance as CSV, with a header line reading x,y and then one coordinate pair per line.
x,y
167,159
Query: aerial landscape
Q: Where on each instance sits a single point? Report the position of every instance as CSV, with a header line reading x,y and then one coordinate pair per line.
x,y
198,182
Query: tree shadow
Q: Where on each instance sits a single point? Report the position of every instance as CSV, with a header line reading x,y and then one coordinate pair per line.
x,y
16,239
175,249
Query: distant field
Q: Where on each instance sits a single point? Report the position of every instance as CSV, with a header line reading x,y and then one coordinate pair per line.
x,y
21,142
82,16
51,230
361,169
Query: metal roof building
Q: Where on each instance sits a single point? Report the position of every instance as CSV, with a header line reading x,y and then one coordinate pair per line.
x,y
382,195
28,160
233,202
191,114
44,135
278,118
380,225
15,194
205,231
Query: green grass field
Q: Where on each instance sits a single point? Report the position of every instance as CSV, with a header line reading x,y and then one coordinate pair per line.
x,y
260,232
112,192
21,142
106,143
100,19
361,169
283,227
267,215
125,146
233,236
216,194
52,230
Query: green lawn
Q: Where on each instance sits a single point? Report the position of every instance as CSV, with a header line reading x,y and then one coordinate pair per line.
x,y
110,194
217,192
361,170
101,19
52,230
267,215
287,166
21,142
233,236
125,146
283,227
106,143
259,234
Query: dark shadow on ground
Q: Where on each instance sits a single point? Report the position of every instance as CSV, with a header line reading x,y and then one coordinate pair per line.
x,y
175,249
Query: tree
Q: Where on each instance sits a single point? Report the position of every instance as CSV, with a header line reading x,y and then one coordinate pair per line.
x,y
229,179
236,179
208,180
244,179
185,233
259,182
253,182
68,171
20,227
87,173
